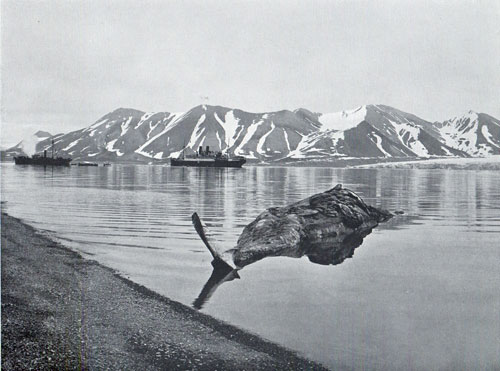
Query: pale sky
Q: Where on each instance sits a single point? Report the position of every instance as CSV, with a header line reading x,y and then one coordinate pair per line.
x,y
65,63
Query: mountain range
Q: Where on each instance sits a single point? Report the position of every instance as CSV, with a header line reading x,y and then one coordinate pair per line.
x,y
129,135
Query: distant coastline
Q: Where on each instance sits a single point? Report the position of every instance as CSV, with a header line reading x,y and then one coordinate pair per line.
x,y
472,163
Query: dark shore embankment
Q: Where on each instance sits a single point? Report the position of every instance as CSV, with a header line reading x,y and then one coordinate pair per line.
x,y
60,311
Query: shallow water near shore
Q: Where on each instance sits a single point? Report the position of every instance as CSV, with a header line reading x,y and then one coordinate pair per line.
x,y
421,292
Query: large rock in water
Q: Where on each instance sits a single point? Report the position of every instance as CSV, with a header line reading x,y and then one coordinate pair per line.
x,y
333,218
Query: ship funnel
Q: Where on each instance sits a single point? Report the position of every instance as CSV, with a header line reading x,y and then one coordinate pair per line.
x,y
208,149
45,153
200,150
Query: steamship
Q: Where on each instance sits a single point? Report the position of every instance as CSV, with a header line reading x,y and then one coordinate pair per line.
x,y
207,158
42,160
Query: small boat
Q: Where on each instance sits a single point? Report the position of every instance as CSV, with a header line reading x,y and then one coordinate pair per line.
x,y
106,164
208,158
85,163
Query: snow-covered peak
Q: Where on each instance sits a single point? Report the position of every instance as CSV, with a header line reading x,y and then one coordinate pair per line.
x,y
477,134
470,115
467,122
342,120
461,132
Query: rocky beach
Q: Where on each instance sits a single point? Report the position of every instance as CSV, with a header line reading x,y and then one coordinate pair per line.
x,y
61,311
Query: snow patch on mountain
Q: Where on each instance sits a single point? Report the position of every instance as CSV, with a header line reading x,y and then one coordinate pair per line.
x,y
378,142
71,145
306,143
286,140
488,136
143,119
175,118
231,124
262,141
175,154
110,148
220,141
309,145
249,134
197,133
251,155
152,127
461,133
125,126
96,125
222,123
336,136
342,120
408,135
299,152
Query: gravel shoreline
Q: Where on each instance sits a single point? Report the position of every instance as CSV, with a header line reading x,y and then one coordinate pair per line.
x,y
60,311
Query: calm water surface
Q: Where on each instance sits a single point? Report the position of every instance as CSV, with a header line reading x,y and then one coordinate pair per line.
x,y
421,292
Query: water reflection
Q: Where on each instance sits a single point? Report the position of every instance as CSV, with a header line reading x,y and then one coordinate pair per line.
x,y
428,285
326,227
220,274
328,251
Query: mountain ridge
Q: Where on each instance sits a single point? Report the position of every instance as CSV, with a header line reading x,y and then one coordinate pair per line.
x,y
374,130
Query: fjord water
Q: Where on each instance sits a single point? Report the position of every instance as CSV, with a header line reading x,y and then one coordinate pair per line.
x,y
421,292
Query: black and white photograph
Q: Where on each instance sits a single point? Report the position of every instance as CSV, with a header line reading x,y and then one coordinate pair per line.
x,y
250,185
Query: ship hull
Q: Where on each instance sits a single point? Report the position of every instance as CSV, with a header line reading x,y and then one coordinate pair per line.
x,y
199,162
42,161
